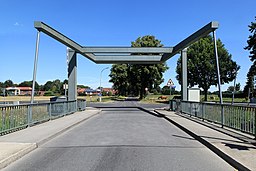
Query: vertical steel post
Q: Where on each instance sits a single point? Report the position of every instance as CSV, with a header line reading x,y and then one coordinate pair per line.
x,y
35,66
72,75
234,90
50,111
218,76
184,70
255,124
100,82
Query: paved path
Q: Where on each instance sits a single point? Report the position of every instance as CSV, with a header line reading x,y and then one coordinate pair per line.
x,y
237,148
122,138
17,144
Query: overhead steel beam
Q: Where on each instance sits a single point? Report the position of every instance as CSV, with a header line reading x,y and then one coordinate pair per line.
x,y
88,52
40,26
144,50
138,59
204,31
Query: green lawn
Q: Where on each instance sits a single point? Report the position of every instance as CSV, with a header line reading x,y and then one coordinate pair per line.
x,y
210,98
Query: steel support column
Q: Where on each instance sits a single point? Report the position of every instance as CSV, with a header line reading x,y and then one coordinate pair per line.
x,y
35,67
72,75
217,65
218,76
184,79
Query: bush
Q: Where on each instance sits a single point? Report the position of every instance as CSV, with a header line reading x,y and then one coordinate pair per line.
x,y
155,92
237,95
48,93
104,93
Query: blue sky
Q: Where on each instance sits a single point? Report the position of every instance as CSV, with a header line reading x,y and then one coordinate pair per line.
x,y
112,23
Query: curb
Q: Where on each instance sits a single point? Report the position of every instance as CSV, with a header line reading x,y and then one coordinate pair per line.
x,y
41,142
221,154
5,162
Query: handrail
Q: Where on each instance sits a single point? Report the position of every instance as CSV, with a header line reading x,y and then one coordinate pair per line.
x,y
15,117
238,117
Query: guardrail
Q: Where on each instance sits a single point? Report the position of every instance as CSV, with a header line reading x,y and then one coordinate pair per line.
x,y
239,117
15,117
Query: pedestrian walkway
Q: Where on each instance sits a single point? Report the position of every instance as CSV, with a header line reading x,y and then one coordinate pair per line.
x,y
17,144
236,148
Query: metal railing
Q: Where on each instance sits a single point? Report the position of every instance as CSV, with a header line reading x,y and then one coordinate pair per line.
x,y
239,117
15,117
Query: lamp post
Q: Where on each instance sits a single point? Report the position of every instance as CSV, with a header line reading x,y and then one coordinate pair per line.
x,y
234,89
100,81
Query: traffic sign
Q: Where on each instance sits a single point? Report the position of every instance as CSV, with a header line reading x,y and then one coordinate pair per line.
x,y
170,83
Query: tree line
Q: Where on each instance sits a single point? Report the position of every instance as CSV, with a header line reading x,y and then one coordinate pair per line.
x,y
50,87
251,47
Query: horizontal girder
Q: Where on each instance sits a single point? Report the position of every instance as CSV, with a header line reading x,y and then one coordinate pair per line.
x,y
149,55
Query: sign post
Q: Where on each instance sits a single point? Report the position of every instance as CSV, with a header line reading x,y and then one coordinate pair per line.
x,y
254,81
65,87
170,84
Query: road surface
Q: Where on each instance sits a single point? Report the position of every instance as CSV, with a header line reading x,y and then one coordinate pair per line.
x,y
122,138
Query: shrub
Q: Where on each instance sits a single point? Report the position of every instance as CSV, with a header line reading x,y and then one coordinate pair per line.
x,y
48,93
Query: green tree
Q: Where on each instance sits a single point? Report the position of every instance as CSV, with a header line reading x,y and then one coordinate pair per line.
x,y
118,75
57,86
166,90
231,88
202,65
146,76
29,84
48,85
251,46
8,83
133,78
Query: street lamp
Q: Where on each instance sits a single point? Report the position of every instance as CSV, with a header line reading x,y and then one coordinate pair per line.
x,y
100,81
234,89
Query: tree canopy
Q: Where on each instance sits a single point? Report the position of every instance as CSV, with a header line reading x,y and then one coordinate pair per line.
x,y
133,79
251,46
202,65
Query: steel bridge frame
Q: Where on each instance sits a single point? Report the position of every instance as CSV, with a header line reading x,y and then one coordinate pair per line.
x,y
112,55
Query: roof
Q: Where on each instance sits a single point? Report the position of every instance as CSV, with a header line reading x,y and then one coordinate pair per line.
x,y
19,88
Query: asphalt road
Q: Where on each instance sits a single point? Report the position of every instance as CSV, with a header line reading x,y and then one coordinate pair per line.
x,y
122,138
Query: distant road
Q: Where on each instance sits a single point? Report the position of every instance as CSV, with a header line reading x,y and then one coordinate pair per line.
x,y
122,138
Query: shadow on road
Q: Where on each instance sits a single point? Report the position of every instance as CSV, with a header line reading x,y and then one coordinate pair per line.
x,y
131,107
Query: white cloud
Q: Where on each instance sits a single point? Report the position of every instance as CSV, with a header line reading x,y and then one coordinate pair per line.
x,y
17,24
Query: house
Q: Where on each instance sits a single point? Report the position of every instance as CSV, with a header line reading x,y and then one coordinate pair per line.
x,y
19,91
87,91
107,90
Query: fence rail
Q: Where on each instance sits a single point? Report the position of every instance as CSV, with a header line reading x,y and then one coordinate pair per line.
x,y
14,117
239,117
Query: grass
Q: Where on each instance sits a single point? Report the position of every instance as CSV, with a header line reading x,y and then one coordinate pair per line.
x,y
23,98
215,98
96,98
154,99
47,98
148,99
